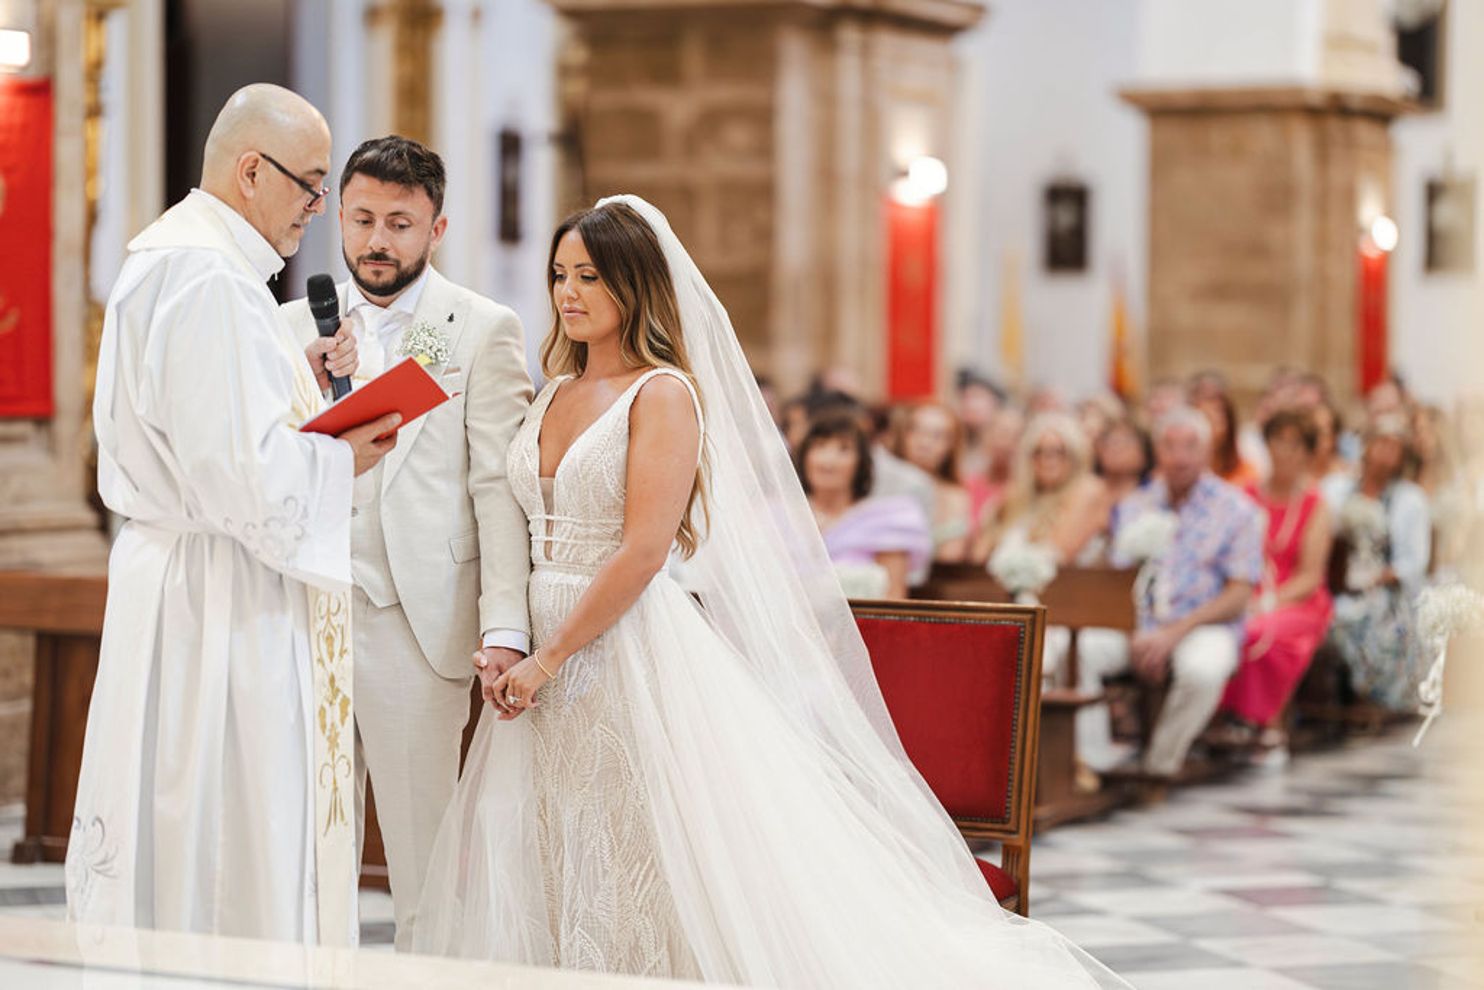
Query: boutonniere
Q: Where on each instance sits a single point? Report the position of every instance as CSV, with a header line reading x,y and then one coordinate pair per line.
x,y
425,343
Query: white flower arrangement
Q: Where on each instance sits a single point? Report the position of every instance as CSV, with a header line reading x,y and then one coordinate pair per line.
x,y
862,580
1147,537
1363,517
425,343
1023,567
1443,612
1145,540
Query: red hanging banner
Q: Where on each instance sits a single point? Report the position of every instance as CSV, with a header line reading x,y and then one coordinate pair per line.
x,y
26,232
911,298
1370,317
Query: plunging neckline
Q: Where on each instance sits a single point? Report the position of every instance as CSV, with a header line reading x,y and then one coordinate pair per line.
x,y
546,407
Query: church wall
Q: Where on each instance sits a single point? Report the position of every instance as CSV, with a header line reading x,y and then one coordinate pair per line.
x,y
1436,333
1042,83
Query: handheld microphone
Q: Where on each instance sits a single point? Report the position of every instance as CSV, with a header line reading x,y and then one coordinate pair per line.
x,y
324,306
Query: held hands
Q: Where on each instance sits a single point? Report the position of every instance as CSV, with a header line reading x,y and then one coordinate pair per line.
x,y
489,663
513,690
333,356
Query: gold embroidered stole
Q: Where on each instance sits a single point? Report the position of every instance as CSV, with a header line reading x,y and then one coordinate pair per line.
x,y
337,872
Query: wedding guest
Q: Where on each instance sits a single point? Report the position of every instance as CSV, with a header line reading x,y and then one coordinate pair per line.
x,y
1054,499
1293,609
1226,463
793,420
1123,457
1098,412
1435,469
929,437
1328,428
1044,399
987,489
1191,619
1281,392
1164,395
978,402
1385,530
876,542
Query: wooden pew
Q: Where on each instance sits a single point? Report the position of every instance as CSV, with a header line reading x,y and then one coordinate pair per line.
x,y
1079,598
963,683
65,613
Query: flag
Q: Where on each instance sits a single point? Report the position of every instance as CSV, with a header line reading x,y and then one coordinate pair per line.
x,y
1012,327
1122,376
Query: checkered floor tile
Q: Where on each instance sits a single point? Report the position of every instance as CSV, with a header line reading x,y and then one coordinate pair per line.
x,y
1352,869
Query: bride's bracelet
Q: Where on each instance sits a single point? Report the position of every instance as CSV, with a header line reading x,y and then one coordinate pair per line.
x,y
541,666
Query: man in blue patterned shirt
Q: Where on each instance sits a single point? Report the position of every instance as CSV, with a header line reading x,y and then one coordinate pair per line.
x,y
1190,623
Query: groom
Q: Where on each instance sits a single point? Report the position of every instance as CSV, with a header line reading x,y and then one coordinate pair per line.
x,y
440,551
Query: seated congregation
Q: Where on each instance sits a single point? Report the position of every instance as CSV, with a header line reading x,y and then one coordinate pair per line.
x,y
1272,567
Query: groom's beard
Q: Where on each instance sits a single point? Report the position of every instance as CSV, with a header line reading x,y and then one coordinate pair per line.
x,y
401,278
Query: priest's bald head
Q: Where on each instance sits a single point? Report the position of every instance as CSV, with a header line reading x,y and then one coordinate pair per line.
x,y
267,157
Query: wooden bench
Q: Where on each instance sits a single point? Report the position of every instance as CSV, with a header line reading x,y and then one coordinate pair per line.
x,y
65,614
963,684
1078,598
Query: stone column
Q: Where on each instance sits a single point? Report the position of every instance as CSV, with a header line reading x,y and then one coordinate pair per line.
x,y
1257,202
1269,156
769,135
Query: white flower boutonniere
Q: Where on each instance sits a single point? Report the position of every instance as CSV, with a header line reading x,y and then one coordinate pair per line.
x,y
425,343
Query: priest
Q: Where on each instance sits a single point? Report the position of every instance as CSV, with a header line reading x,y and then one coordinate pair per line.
x,y
211,796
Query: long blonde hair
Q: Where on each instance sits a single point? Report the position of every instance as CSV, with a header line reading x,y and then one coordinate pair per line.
x,y
634,273
1023,499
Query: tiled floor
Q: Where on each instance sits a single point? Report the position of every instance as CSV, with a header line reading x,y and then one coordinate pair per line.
x,y
1349,870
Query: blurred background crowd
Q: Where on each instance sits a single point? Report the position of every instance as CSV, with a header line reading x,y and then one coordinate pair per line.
x,y
1328,520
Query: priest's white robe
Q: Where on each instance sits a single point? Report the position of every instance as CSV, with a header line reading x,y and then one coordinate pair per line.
x,y
195,807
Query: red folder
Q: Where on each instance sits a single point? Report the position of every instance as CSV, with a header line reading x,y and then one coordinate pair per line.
x,y
407,389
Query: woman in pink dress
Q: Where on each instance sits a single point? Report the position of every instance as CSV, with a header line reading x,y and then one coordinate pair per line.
x,y
1293,610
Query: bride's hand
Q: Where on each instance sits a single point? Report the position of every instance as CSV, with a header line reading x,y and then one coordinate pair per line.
x,y
517,688
489,663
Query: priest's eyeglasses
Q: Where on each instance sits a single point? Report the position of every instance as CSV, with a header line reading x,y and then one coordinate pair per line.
x,y
315,195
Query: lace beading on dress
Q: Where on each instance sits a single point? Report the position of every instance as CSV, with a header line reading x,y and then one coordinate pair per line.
x,y
608,906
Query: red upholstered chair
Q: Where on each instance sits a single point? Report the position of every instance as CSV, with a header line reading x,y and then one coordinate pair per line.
x,y
963,685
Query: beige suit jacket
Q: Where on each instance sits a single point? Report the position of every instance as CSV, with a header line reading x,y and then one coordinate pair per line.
x,y
457,542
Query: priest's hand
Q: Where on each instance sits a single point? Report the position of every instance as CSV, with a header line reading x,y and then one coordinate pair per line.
x,y
333,356
372,441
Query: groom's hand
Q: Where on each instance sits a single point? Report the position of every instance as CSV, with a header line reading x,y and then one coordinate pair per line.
x,y
333,356
489,663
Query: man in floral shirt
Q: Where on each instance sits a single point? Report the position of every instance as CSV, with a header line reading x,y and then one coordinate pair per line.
x,y
1191,616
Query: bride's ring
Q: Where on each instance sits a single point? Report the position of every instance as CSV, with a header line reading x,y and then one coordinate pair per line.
x,y
512,699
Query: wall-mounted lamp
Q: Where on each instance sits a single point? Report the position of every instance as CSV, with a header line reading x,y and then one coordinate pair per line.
x,y
925,178
1383,235
15,49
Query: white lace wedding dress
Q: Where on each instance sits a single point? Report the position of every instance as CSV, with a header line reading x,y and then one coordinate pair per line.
x,y
658,814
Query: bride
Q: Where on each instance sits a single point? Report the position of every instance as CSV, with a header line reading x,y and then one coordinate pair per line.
x,y
703,787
